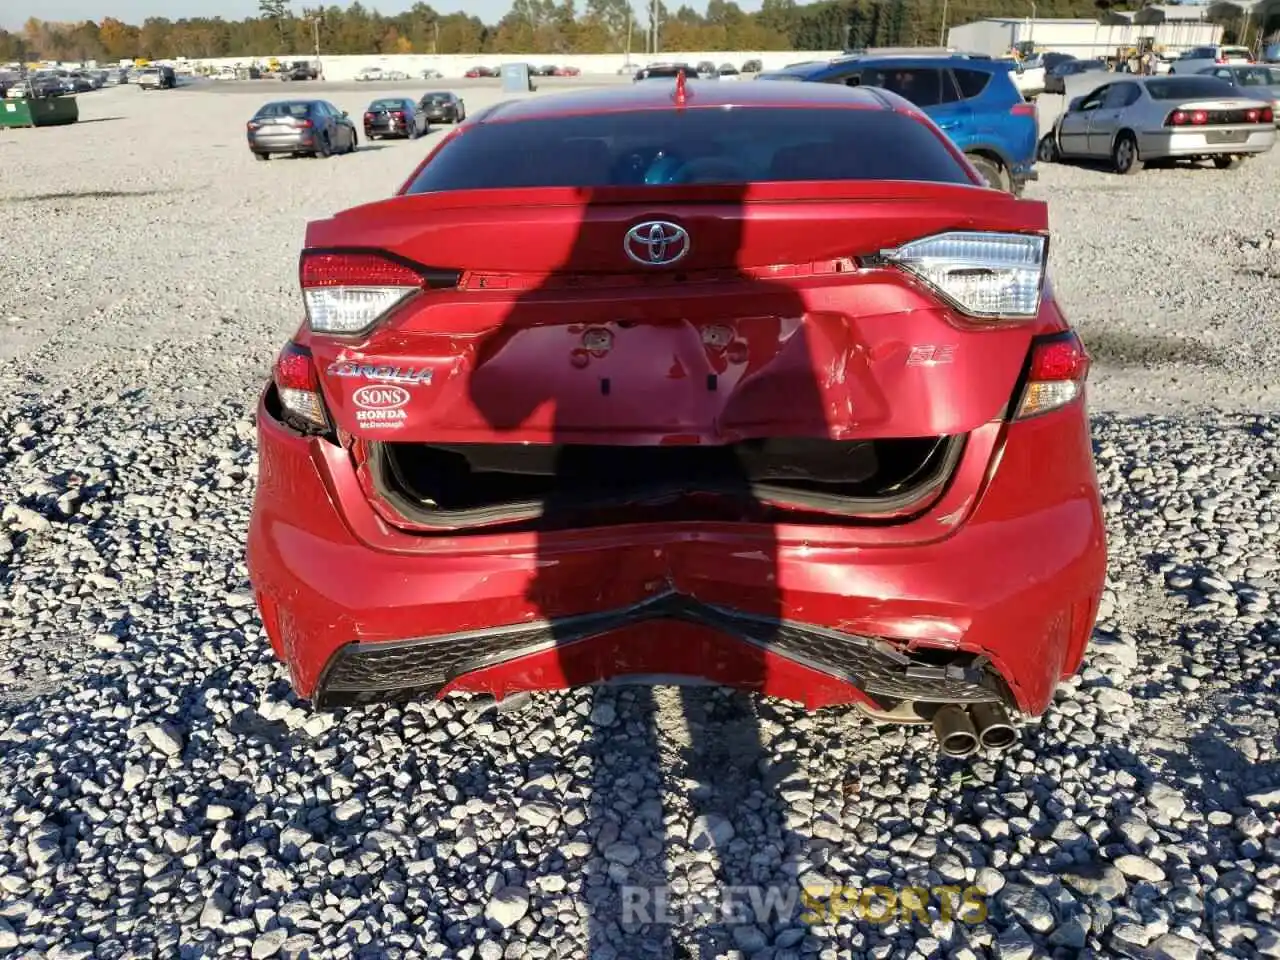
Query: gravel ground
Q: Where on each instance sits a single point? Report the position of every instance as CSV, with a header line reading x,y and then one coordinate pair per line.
x,y
163,794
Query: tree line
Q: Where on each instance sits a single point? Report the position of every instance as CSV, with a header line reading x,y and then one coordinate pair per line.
x,y
544,27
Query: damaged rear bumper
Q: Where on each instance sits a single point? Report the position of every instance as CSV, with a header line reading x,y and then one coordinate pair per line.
x,y
368,672
990,595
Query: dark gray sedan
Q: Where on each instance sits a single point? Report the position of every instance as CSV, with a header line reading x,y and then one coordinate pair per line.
x,y
395,117
314,128
441,106
1055,78
1254,81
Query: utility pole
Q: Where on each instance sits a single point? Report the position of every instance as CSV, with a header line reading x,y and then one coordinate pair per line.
x,y
653,24
628,60
942,33
315,16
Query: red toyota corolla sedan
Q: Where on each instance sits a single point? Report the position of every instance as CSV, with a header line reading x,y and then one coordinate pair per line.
x,y
741,384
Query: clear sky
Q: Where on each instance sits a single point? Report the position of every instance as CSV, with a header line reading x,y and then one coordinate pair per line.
x,y
14,13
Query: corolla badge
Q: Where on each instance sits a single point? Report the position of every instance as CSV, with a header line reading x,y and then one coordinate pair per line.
x,y
656,243
380,372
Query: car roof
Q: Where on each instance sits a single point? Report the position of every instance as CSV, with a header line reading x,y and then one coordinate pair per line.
x,y
817,67
658,94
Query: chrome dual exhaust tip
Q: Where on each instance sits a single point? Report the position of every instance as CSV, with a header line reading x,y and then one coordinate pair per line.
x,y
962,732
957,736
995,729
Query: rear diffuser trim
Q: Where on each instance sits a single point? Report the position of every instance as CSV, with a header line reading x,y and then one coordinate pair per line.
x,y
361,672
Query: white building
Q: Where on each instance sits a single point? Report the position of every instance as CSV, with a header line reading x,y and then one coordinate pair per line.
x,y
1183,28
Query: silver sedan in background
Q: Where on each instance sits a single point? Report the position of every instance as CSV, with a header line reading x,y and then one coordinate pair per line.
x,y
1139,120
1257,82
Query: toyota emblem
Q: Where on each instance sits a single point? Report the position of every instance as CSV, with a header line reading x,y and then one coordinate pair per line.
x,y
656,243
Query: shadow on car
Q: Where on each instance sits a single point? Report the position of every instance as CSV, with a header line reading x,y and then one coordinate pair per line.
x,y
721,747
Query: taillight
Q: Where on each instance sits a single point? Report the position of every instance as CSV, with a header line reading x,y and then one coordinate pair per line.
x,y
1187,118
299,386
307,124
1261,115
252,125
982,274
398,114
1058,370
368,115
1023,109
348,292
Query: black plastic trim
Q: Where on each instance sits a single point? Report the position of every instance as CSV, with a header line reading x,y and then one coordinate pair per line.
x,y
376,672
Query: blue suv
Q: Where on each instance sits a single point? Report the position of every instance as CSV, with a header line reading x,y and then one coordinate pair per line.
x,y
973,100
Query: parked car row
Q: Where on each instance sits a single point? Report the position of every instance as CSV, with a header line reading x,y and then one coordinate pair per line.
x,y
705,70
377,74
1198,59
317,128
546,70
53,83
1224,114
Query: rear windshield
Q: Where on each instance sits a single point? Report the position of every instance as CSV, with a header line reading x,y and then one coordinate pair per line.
x,y
1236,52
285,110
663,147
435,98
387,105
1188,88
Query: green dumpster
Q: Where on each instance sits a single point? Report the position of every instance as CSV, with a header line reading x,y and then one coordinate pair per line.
x,y
38,112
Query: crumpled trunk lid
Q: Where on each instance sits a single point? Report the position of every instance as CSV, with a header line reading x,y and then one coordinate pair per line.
x,y
767,326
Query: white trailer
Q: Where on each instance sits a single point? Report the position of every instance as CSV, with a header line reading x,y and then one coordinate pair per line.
x,y
1083,38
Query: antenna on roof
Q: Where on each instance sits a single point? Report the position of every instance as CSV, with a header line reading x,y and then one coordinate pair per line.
x,y
681,95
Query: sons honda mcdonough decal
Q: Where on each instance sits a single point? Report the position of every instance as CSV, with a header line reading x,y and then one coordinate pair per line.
x,y
379,406
380,398
381,419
